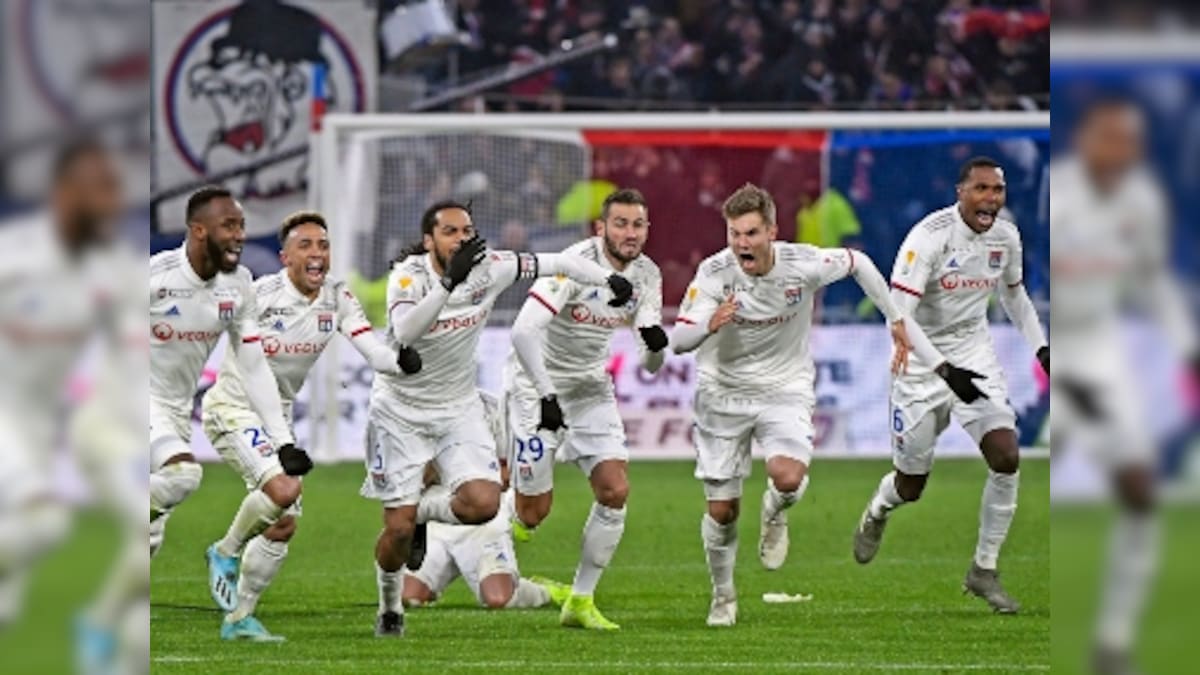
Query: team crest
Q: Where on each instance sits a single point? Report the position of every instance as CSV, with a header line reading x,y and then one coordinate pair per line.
x,y
792,295
995,258
325,323
225,310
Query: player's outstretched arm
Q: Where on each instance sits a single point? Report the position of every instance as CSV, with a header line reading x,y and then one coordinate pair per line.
x,y
648,321
864,271
528,337
1023,314
580,269
353,324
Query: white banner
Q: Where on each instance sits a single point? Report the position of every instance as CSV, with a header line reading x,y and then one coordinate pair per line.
x,y
851,418
236,83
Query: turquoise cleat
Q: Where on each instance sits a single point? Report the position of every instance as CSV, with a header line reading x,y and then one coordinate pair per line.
x,y
248,628
95,647
222,579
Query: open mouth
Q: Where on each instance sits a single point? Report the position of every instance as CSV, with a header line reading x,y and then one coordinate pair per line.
x,y
985,217
315,271
232,255
247,137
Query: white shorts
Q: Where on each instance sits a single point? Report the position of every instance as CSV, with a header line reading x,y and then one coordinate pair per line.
x,y
594,433
725,426
26,465
1115,433
921,407
170,434
474,552
400,443
240,438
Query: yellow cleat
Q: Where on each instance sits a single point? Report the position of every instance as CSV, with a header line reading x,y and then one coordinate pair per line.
x,y
579,611
558,592
520,533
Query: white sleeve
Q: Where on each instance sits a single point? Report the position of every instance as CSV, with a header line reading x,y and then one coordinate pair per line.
x,y
1023,314
528,337
262,390
352,323
700,302
649,313
1162,294
576,267
410,314
688,336
871,281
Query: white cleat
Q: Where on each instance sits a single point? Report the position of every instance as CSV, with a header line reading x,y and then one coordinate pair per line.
x,y
723,610
772,537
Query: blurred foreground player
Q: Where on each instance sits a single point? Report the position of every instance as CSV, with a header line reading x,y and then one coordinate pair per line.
x,y
300,309
198,292
439,298
944,275
749,313
560,400
1109,239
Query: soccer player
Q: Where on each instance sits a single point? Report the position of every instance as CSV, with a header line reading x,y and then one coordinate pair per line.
x,y
198,292
63,282
560,342
748,312
482,555
945,272
300,309
439,297
1110,238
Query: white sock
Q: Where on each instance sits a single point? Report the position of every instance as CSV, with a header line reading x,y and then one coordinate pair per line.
x,y
781,501
528,594
435,505
390,586
158,528
12,595
886,499
172,484
720,547
1132,563
996,510
27,532
127,581
260,563
601,534
256,514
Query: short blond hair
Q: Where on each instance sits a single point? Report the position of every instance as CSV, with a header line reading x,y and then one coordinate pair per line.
x,y
750,199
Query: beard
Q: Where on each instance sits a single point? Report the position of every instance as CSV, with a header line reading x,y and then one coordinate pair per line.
x,y
615,251
217,255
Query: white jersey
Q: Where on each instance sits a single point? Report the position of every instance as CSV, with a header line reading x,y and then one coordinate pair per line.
x,y
447,349
1098,246
763,352
51,305
954,271
577,340
187,317
294,332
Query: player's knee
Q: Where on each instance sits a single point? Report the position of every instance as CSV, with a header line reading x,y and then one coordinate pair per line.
x,y
1006,460
1135,490
496,598
282,530
178,480
531,514
284,490
398,529
613,495
723,512
789,480
910,487
480,502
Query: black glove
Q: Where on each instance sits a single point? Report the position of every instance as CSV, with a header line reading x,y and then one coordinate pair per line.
x,y
295,461
469,254
654,337
552,417
1043,357
621,288
409,360
961,381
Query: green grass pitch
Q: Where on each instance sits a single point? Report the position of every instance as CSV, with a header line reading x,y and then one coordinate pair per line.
x,y
904,612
